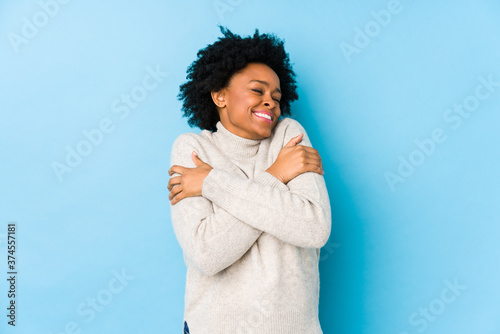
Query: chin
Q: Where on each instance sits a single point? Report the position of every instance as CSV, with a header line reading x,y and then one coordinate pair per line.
x,y
265,135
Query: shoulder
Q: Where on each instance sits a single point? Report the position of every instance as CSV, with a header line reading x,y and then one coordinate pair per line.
x,y
287,122
191,139
287,128
289,125
187,142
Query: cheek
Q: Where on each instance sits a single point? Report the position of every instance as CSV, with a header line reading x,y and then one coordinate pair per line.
x,y
243,101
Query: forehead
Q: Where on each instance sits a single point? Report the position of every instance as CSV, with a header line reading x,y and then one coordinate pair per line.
x,y
257,71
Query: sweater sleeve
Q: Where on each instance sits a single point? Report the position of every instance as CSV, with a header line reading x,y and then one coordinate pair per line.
x,y
211,239
297,213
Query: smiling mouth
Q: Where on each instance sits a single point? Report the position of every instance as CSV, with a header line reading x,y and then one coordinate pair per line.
x,y
263,116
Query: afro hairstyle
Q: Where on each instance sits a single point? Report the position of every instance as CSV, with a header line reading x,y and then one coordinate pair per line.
x,y
218,62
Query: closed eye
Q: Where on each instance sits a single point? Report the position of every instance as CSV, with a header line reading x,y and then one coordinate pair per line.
x,y
261,92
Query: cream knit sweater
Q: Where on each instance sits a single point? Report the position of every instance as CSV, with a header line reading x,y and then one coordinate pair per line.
x,y
250,243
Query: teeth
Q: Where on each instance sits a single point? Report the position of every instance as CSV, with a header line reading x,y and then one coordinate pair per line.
x,y
263,115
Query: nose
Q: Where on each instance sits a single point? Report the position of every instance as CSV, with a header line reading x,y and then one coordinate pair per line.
x,y
269,102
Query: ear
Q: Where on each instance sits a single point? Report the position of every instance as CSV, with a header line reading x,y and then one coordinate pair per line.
x,y
219,98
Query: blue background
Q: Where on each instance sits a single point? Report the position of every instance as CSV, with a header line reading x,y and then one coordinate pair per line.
x,y
395,247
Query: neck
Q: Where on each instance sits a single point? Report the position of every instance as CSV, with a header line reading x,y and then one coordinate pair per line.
x,y
234,145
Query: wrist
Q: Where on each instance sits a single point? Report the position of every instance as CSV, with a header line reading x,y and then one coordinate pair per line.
x,y
204,177
274,173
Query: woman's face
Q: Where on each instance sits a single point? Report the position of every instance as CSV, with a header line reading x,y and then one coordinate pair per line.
x,y
249,106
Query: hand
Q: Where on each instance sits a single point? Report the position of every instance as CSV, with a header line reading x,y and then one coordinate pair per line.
x,y
294,160
190,182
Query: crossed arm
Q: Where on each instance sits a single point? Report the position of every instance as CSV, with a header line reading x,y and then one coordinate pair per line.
x,y
289,201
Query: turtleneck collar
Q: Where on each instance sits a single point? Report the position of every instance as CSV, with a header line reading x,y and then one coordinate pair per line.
x,y
234,145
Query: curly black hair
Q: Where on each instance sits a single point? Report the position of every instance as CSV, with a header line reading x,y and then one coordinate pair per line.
x,y
218,62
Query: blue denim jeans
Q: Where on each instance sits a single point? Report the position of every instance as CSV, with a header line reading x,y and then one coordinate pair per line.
x,y
186,328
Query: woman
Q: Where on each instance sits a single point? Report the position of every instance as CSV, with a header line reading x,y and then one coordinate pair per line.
x,y
250,207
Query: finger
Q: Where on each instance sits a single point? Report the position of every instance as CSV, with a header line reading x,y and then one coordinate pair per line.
x,y
319,166
311,153
307,149
294,140
173,182
311,162
176,199
301,152
311,156
313,168
175,169
196,159
315,160
174,192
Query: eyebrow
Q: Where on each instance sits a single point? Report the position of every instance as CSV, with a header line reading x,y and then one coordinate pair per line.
x,y
265,83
